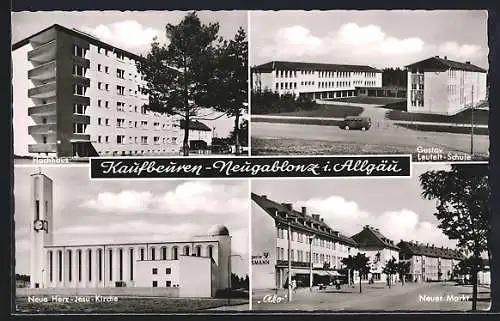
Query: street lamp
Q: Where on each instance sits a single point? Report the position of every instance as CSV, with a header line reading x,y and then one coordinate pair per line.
x,y
311,238
289,262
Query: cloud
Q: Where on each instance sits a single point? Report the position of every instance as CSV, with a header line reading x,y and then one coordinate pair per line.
x,y
348,218
129,231
299,42
357,44
187,198
461,51
128,34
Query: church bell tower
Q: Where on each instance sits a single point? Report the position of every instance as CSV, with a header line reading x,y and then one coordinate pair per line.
x,y
40,228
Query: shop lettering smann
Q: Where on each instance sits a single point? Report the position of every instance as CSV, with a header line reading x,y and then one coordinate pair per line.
x,y
260,259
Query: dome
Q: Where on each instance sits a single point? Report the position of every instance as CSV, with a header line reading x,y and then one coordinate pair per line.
x,y
218,230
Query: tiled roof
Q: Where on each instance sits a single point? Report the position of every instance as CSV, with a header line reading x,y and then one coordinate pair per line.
x,y
290,65
196,125
429,250
301,221
441,63
371,237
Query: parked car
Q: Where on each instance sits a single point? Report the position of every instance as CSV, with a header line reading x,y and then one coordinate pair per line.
x,y
356,122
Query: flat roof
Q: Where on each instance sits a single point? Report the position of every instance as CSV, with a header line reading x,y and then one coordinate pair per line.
x,y
78,34
129,244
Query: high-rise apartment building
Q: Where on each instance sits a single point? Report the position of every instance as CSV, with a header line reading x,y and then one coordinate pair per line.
x,y
74,95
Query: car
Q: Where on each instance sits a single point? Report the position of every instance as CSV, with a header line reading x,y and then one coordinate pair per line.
x,y
356,122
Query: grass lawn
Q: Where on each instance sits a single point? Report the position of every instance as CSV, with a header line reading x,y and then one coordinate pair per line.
x,y
322,122
480,117
127,305
370,100
329,111
268,147
446,129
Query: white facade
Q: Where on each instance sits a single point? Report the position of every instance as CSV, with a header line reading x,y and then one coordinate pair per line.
x,y
194,273
204,260
444,91
315,82
119,124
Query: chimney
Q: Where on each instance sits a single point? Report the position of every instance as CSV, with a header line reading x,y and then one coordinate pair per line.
x,y
304,210
322,219
445,58
467,62
264,196
288,206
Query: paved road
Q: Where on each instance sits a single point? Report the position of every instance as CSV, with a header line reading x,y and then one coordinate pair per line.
x,y
393,136
411,297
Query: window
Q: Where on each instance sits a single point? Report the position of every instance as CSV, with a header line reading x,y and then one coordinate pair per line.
x,y
120,73
106,104
99,139
106,121
78,70
99,67
156,140
120,90
106,139
79,51
98,121
79,128
120,106
155,271
144,140
155,284
120,139
110,264
78,90
99,103
168,271
153,253
78,109
106,69
120,122
120,55
99,50
168,284
106,87
142,254
99,85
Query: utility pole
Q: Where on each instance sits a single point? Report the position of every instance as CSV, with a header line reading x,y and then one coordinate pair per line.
x,y
472,124
289,262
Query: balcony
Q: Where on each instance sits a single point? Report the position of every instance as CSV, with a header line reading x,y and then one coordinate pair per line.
x,y
82,81
42,148
42,110
43,91
43,72
76,138
81,61
42,129
43,53
81,119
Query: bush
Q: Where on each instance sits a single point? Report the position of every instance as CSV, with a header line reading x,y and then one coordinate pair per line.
x,y
231,294
268,102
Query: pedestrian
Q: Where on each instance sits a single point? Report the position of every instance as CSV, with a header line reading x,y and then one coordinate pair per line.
x,y
294,286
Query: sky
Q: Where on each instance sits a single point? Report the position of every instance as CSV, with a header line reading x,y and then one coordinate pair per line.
x,y
129,30
114,211
393,205
379,38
